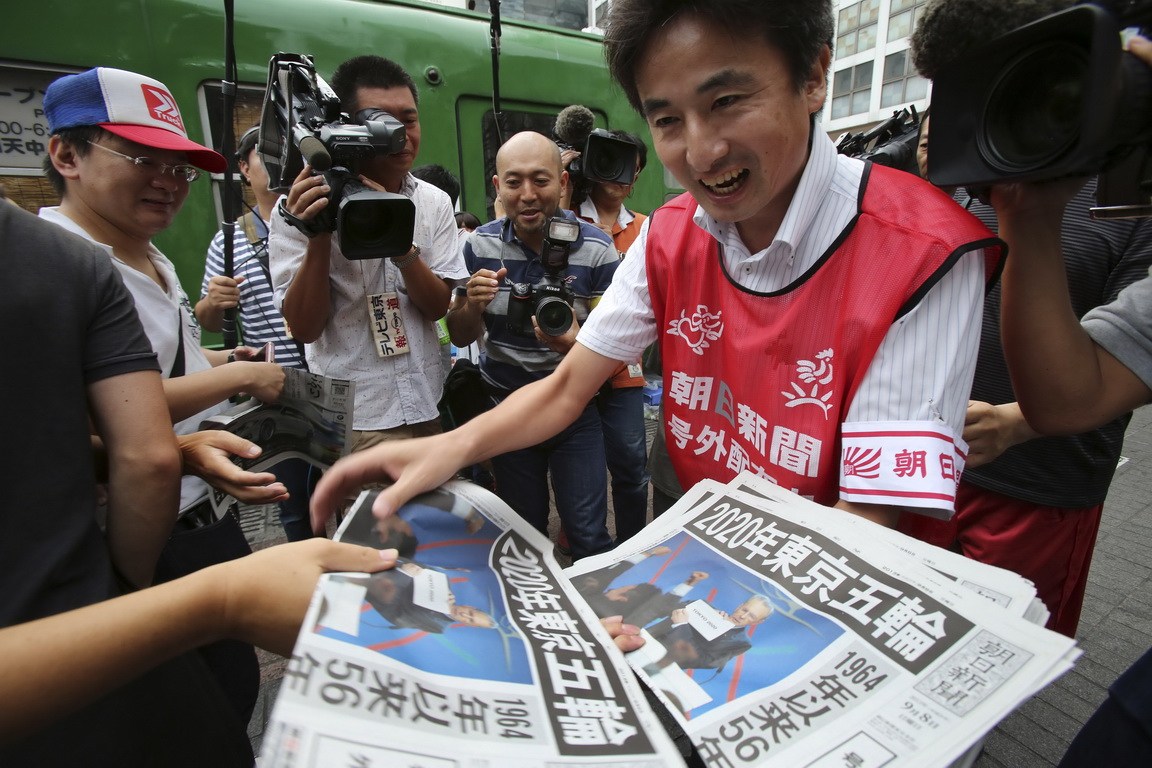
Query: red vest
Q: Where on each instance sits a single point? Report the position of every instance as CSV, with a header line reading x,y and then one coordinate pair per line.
x,y
762,381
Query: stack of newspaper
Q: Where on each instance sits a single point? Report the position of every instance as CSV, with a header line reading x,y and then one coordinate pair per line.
x,y
777,632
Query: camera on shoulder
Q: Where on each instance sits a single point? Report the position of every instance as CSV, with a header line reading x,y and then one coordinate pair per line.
x,y
301,122
548,299
1057,97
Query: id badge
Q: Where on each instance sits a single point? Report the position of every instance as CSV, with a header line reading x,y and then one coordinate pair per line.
x,y
387,324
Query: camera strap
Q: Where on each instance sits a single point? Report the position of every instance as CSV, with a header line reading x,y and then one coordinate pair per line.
x,y
309,228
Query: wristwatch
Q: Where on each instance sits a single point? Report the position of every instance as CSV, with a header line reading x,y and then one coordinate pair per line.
x,y
408,258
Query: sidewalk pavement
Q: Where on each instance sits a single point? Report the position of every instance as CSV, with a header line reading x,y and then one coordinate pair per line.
x,y
1115,628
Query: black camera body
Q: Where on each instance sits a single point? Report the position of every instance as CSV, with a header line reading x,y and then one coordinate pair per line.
x,y
301,122
891,143
1054,98
548,299
603,158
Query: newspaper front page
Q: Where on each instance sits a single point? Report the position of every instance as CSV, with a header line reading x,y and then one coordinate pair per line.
x,y
783,633
1005,588
474,650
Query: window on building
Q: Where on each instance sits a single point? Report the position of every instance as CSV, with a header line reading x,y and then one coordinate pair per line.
x,y
901,83
856,31
599,13
852,90
902,18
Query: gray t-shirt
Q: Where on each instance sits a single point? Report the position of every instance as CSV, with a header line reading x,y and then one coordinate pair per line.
x,y
1124,328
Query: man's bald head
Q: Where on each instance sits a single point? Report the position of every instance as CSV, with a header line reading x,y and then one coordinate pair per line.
x,y
528,145
529,180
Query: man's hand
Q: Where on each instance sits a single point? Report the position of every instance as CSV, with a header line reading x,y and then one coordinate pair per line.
x,y
265,381
417,465
207,454
307,196
567,156
263,597
626,636
466,317
696,578
561,344
223,293
990,430
249,354
482,287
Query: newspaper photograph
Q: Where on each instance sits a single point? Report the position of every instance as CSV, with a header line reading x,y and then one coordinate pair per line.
x,y
780,632
474,650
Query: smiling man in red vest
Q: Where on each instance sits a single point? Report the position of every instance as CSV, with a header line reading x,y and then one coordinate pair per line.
x,y
818,316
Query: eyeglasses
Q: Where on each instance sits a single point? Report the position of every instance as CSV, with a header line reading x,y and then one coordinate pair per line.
x,y
181,171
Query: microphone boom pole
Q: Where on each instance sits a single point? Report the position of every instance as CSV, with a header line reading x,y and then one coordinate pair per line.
x,y
227,139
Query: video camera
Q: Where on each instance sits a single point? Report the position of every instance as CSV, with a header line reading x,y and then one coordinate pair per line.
x,y
603,157
891,143
549,299
301,121
1056,97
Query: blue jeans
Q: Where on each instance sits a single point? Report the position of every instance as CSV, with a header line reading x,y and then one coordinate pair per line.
x,y
625,445
295,474
575,458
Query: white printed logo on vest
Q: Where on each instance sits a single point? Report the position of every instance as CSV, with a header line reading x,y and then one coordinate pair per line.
x,y
699,330
817,374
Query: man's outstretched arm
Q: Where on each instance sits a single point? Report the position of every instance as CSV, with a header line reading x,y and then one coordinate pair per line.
x,y
528,416
260,599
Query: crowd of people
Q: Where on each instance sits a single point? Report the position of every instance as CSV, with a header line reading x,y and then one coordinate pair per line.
x,y
806,307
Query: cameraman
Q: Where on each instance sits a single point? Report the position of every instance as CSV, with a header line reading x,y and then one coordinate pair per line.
x,y
327,300
528,182
1071,375
621,400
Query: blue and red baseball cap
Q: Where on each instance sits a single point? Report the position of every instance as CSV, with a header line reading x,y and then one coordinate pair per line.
x,y
132,106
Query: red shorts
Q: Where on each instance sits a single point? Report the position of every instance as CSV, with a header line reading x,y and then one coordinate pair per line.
x,y
1050,546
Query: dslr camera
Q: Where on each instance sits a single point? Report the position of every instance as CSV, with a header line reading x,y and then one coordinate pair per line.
x,y
1053,98
301,121
548,299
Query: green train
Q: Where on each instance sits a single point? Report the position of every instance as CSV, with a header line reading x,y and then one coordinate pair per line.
x,y
182,43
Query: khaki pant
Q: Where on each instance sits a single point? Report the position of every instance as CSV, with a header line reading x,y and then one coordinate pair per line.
x,y
362,440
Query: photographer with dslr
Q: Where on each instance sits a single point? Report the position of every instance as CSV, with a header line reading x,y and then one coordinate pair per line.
x,y
538,270
330,301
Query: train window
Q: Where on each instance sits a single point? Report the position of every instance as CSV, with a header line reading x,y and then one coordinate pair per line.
x,y
249,99
511,122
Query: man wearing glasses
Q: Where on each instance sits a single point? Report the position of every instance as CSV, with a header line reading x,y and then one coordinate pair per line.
x,y
122,163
